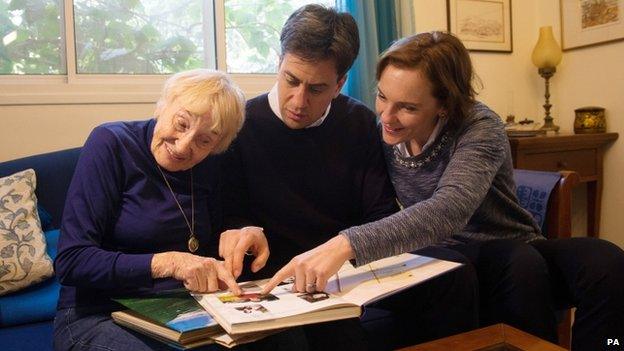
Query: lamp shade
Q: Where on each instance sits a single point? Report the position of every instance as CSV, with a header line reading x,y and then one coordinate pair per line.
x,y
547,52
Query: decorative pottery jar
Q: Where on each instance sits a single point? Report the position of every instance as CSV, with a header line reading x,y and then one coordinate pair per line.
x,y
590,119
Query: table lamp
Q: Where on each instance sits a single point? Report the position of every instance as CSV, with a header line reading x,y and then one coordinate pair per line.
x,y
546,56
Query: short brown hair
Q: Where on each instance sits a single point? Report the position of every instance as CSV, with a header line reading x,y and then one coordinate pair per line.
x,y
444,60
314,32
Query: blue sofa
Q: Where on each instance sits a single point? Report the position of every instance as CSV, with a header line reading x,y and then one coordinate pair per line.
x,y
26,316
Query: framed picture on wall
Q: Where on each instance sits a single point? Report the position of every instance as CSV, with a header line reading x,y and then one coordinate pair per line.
x,y
482,25
590,22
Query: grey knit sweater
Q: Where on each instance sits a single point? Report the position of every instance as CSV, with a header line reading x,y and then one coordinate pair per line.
x,y
460,186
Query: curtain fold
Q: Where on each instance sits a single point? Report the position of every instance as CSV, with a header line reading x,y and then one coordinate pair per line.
x,y
376,21
386,23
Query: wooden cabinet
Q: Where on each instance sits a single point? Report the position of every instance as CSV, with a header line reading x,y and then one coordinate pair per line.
x,y
582,153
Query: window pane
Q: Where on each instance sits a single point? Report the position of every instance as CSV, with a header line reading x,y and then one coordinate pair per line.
x,y
252,30
143,36
31,41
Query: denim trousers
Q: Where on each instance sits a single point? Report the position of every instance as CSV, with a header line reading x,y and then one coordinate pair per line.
x,y
92,328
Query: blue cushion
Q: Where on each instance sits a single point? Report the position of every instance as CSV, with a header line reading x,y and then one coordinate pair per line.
x,y
533,190
37,302
52,242
29,337
45,218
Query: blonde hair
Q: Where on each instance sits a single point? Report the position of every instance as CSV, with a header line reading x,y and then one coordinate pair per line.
x,y
202,90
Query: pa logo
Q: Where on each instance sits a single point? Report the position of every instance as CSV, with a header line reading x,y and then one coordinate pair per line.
x,y
613,342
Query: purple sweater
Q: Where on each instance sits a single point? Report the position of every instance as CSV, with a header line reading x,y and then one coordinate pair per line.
x,y
119,212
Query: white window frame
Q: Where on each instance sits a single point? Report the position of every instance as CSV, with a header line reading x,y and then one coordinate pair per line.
x,y
73,88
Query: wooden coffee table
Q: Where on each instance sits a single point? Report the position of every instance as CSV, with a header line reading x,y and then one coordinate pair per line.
x,y
498,337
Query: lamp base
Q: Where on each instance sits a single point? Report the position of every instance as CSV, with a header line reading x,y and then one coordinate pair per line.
x,y
549,126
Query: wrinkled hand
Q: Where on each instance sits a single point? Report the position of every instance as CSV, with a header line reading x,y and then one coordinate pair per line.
x,y
312,269
234,243
198,273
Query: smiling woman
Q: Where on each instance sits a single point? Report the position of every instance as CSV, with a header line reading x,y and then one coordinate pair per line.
x,y
407,109
198,114
130,225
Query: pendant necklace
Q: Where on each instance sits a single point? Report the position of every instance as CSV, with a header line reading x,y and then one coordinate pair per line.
x,y
193,242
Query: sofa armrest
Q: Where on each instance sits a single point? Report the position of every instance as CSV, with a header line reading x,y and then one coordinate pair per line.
x,y
559,213
54,172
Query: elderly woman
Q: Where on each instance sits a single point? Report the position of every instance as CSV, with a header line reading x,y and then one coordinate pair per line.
x,y
140,210
450,163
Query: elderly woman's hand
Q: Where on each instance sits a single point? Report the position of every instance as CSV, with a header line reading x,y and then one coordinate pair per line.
x,y
198,273
235,243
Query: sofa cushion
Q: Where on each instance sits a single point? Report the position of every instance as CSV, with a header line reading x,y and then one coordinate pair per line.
x,y
29,337
23,257
54,173
533,190
45,218
35,303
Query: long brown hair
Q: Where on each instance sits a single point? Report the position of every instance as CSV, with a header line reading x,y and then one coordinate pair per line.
x,y
444,60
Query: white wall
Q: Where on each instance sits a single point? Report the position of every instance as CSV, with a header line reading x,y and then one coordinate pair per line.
x,y
594,76
28,130
590,76
510,82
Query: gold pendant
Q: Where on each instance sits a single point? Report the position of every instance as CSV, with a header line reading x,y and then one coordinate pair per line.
x,y
193,243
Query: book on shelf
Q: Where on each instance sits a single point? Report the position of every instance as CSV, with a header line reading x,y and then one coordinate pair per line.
x,y
175,318
344,296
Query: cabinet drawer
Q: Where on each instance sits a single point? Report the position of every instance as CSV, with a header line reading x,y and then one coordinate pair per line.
x,y
581,161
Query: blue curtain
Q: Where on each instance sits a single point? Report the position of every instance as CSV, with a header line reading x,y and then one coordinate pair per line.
x,y
387,31
377,27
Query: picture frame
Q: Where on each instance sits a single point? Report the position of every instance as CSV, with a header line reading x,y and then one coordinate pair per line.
x,y
589,22
482,25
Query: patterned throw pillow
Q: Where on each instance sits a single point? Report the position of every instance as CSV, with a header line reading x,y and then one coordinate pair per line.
x,y
23,258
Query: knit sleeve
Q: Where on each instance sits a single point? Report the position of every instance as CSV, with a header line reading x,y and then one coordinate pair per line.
x,y
235,196
479,152
92,202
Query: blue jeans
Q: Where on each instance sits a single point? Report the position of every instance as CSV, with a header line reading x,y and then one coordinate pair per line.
x,y
90,328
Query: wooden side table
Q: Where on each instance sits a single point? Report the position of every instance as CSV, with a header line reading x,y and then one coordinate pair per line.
x,y
493,338
582,153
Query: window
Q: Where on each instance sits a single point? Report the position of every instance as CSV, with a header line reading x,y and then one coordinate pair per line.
x,y
252,30
120,51
31,37
141,36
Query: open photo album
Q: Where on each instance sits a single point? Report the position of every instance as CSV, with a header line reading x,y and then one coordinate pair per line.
x,y
175,318
346,293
